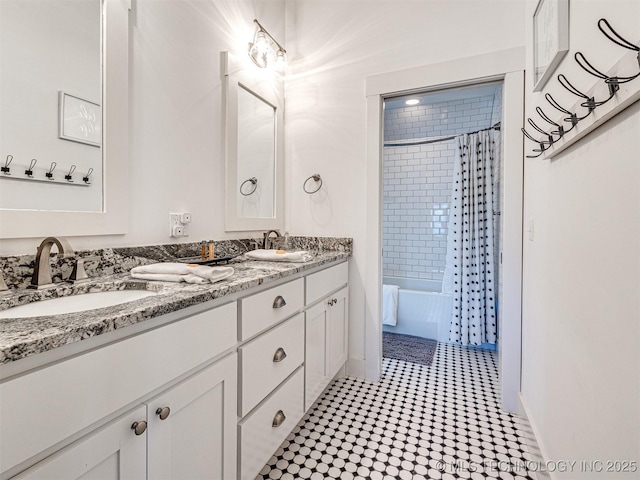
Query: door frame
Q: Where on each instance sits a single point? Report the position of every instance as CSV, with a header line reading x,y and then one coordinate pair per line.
x,y
508,67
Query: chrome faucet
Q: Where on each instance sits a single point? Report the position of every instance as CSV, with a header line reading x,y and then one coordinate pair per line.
x,y
42,271
267,241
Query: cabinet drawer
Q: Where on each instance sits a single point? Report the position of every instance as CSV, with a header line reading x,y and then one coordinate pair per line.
x,y
262,310
259,438
326,281
84,389
262,363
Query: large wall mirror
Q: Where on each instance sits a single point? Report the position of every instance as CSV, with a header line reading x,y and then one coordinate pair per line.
x,y
253,147
64,111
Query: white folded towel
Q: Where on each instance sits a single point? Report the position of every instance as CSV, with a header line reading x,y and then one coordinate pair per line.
x,y
390,304
272,256
181,272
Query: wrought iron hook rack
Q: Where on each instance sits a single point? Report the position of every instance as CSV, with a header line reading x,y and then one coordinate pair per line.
x,y
548,138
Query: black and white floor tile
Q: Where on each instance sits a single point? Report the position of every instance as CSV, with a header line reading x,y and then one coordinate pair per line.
x,y
438,422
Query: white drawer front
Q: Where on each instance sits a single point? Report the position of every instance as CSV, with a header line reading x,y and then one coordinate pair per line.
x,y
262,364
259,439
260,311
326,281
45,407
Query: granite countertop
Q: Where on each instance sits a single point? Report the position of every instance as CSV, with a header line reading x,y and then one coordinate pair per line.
x,y
22,337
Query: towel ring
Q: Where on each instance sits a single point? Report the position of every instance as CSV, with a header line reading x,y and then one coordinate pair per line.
x,y
316,177
253,181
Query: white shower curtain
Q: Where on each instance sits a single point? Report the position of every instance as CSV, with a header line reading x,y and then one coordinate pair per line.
x,y
469,271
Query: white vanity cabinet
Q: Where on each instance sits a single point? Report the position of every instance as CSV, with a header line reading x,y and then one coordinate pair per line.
x,y
111,452
204,393
271,398
59,414
191,427
326,343
326,335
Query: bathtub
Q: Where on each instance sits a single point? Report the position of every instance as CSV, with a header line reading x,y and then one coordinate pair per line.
x,y
423,311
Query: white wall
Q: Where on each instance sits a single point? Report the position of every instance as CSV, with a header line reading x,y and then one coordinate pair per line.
x,y
176,141
332,47
581,314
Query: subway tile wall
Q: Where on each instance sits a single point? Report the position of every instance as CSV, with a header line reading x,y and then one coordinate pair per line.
x,y
417,182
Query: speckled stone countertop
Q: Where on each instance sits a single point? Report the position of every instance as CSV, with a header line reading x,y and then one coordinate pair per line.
x,y
22,337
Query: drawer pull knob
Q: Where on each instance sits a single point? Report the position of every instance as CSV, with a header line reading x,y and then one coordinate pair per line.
x,y
279,302
279,355
332,302
278,419
139,427
163,412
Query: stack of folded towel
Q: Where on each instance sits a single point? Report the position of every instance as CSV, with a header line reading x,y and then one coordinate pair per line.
x,y
181,272
280,256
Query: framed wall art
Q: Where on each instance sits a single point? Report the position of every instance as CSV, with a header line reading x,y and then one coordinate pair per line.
x,y
79,120
550,39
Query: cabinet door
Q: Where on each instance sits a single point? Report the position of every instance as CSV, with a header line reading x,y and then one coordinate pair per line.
x,y
196,439
315,347
338,341
111,452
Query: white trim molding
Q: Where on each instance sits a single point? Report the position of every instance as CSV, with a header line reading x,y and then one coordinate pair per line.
x,y
508,66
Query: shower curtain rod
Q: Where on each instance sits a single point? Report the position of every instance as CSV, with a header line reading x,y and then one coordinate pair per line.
x,y
445,139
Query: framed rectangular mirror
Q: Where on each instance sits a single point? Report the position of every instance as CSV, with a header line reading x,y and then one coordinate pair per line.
x,y
69,72
254,163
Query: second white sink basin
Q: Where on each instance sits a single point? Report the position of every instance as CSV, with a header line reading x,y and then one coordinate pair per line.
x,y
75,303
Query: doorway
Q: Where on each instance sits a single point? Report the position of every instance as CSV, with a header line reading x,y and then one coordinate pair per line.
x,y
506,66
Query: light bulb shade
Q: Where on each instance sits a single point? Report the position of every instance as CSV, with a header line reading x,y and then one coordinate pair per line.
x,y
259,58
265,50
261,42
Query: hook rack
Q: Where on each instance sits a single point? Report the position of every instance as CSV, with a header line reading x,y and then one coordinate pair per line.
x,y
610,95
31,174
316,178
253,181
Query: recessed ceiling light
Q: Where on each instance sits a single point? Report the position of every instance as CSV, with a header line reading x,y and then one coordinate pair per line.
x,y
412,101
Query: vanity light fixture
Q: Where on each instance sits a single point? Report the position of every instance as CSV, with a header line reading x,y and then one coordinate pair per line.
x,y
265,51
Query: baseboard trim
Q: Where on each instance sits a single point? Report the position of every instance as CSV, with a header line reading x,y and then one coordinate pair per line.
x,y
532,437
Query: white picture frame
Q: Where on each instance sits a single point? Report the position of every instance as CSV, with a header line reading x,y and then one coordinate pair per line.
x,y
79,120
550,39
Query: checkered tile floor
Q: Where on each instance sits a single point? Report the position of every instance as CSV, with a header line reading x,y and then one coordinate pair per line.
x,y
438,422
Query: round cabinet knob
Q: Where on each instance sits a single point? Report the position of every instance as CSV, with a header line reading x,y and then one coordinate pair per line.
x,y
278,419
163,412
139,427
279,355
279,302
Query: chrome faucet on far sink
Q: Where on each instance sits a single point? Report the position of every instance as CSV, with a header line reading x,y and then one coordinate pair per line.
x,y
267,240
42,271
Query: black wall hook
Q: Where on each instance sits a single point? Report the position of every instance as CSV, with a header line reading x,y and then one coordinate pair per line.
x,y
67,177
5,169
618,40
29,171
49,174
85,179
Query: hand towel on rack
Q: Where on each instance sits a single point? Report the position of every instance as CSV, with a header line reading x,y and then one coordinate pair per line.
x,y
181,272
273,256
390,304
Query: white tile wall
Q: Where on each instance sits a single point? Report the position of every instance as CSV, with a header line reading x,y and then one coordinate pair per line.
x,y
417,183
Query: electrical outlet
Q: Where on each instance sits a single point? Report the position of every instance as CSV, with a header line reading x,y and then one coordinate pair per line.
x,y
178,224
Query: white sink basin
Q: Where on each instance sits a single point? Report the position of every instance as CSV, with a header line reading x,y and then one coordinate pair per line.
x,y
75,303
